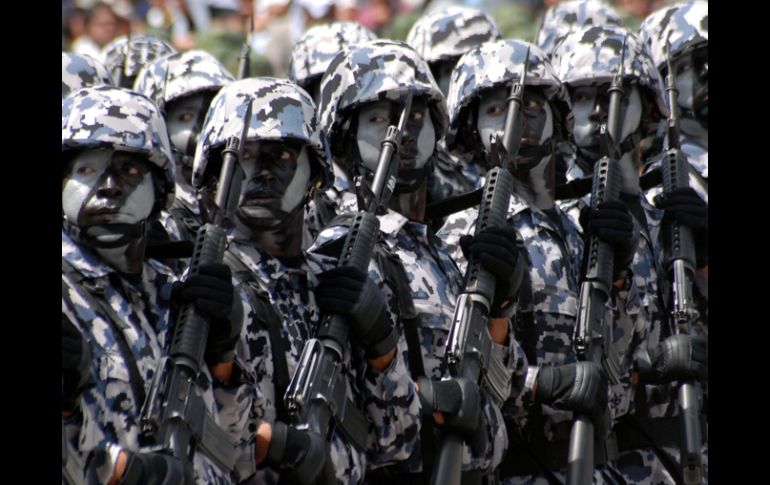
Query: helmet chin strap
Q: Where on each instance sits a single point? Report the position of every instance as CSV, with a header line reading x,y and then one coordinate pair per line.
x,y
532,183
410,180
89,236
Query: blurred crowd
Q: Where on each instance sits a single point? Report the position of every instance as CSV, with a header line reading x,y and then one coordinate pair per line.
x,y
221,26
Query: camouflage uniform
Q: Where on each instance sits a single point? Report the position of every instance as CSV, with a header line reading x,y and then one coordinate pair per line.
x,y
127,323
565,17
444,36
140,51
545,314
310,59
387,70
685,26
590,56
172,78
79,71
284,111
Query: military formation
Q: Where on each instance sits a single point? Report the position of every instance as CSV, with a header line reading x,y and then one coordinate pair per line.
x,y
457,259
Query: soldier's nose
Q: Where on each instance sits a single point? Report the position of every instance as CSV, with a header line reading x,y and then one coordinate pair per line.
x,y
109,188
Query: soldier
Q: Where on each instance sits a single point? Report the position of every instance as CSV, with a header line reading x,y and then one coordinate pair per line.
x,y
441,38
310,59
565,17
685,28
124,57
279,284
540,418
118,173
362,94
80,71
586,60
182,86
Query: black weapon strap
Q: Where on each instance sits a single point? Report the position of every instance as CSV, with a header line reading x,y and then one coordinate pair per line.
x,y
115,322
265,317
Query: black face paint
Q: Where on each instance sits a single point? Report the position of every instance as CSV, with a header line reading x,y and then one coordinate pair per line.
x,y
700,101
442,73
277,177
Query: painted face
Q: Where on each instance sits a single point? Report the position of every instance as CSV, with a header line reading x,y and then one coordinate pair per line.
x,y
276,181
442,73
691,81
184,118
104,187
419,138
589,107
537,122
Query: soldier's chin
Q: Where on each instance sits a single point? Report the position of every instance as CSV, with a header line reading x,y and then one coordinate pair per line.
x,y
258,217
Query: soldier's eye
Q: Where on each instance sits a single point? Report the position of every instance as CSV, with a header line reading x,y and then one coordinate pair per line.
x,y
85,170
417,115
247,154
131,169
495,110
285,156
377,119
186,116
684,67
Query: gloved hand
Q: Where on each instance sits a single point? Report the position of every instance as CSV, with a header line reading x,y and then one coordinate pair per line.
x,y
143,469
498,251
579,387
75,364
302,452
679,357
211,291
685,206
349,292
459,400
612,223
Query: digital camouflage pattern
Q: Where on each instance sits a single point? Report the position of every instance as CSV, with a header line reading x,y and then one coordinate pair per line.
x,y
492,65
109,117
684,25
284,111
109,417
80,71
181,74
388,398
564,17
374,71
141,50
434,283
591,56
449,33
314,51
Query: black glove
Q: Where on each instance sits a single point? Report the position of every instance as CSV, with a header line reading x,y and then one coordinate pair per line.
x,y
579,387
612,223
349,292
685,206
679,357
460,402
75,364
498,251
302,452
211,291
143,469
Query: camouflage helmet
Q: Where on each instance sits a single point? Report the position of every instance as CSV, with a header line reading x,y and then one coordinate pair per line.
x,y
591,55
563,18
181,74
314,51
684,25
451,32
370,72
109,117
141,50
281,111
497,64
80,71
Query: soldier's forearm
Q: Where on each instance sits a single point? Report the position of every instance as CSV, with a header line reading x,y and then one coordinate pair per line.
x,y
498,330
264,437
223,372
381,363
120,467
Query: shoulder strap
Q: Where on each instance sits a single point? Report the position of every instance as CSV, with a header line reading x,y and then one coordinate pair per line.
x,y
78,280
266,317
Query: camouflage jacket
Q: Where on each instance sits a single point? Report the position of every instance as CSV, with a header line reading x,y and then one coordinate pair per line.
x,y
388,399
109,414
434,283
182,220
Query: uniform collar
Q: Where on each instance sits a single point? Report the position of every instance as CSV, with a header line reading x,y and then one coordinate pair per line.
x,y
83,259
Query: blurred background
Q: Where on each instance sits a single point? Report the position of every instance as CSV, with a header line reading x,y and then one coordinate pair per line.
x,y
221,26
